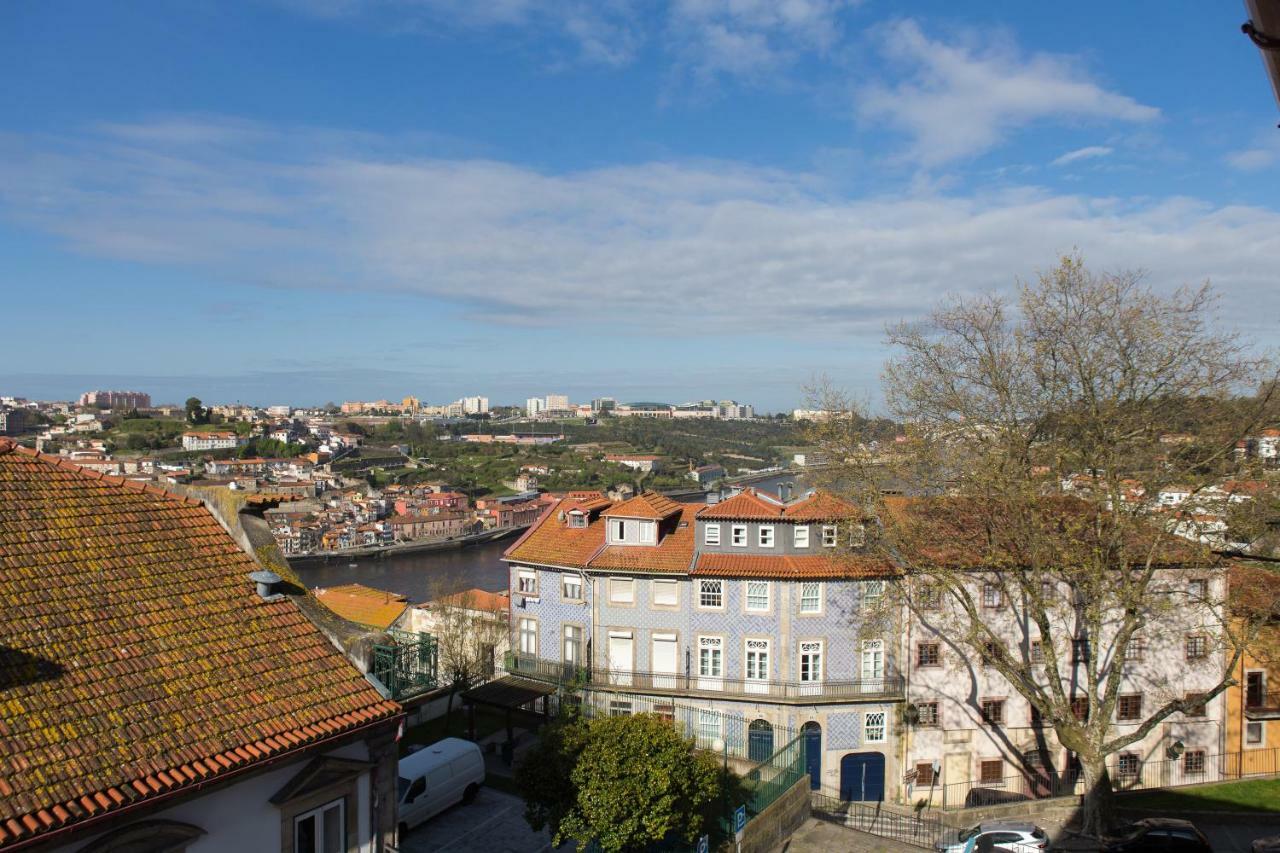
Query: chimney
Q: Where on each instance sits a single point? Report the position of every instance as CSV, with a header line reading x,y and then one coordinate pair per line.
x,y
784,492
268,583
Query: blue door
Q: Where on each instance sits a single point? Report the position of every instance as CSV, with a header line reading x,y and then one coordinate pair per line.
x,y
813,754
862,776
759,740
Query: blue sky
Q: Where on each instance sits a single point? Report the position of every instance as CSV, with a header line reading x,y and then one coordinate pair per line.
x,y
311,200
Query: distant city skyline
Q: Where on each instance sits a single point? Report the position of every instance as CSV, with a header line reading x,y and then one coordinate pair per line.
x,y
325,199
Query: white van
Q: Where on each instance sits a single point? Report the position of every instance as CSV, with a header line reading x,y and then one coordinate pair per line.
x,y
433,778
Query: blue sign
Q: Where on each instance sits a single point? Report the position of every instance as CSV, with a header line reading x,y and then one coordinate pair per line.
x,y
740,819
704,844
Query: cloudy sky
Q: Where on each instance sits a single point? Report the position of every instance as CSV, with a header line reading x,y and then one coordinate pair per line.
x,y
307,200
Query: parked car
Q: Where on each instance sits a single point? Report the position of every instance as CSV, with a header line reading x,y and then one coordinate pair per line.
x,y
1160,835
1000,835
448,771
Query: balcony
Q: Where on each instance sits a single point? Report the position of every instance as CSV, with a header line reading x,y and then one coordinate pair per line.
x,y
1261,706
890,688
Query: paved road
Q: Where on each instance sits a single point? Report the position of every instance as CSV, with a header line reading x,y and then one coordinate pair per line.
x,y
494,823
820,836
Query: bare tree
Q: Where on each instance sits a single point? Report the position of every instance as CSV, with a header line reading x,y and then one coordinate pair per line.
x,y
1038,436
471,633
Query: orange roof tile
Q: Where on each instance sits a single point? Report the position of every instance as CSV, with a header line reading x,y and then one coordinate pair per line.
x,y
135,657
673,553
747,504
476,599
552,542
645,505
364,605
784,566
820,506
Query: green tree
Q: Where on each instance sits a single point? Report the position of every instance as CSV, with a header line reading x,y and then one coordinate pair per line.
x,y
624,782
196,412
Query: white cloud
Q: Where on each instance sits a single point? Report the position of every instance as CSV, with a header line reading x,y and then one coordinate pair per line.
x,y
1089,152
749,38
1253,159
654,248
958,100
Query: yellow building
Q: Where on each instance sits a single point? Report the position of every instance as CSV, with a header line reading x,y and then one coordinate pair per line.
x,y
1253,704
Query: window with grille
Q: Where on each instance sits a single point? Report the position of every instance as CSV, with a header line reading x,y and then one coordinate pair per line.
x,y
991,772
1197,647
1129,707
1193,762
711,593
711,534
810,597
1080,707
873,727
758,596
928,654
927,714
708,727
1128,764
1135,650
992,711
990,652
992,596
619,708
1080,651
929,597
577,519
873,592
1036,652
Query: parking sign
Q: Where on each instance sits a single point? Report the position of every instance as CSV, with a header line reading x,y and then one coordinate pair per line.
x,y
704,844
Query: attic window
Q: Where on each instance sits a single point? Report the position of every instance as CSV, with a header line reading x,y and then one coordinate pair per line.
x,y
577,519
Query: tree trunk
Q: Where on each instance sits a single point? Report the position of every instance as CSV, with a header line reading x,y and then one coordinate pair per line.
x,y
1097,809
448,710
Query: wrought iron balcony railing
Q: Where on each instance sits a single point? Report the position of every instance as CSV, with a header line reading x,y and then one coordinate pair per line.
x,y
1258,704
889,687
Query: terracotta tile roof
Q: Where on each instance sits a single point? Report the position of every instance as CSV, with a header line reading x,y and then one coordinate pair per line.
x,y
784,566
364,605
135,657
820,506
552,542
747,504
673,553
645,505
476,599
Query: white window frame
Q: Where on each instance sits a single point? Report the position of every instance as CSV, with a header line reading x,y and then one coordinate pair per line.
x,y
830,535
873,592
703,583
566,644
818,586
663,583
710,534
530,575
738,536
617,583
1259,726
710,662
648,533
800,536
317,813
710,728
875,727
577,520
764,536
810,675
565,580
528,628
756,653
768,596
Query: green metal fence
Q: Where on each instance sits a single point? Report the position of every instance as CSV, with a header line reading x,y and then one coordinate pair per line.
x,y
408,665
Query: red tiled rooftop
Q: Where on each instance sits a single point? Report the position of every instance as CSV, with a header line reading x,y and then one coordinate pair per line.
x,y
135,657
782,566
364,605
645,505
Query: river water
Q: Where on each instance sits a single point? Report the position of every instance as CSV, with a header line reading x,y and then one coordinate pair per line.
x,y
426,575
421,576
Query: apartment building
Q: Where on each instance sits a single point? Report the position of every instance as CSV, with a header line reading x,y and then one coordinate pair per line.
x,y
212,441
771,610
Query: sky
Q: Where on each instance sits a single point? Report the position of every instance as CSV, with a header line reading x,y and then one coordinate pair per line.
x,y
309,200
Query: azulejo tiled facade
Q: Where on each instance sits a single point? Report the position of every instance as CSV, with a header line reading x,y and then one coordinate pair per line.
x,y
766,611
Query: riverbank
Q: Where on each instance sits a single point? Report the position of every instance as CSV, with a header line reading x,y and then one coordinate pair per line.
x,y
380,552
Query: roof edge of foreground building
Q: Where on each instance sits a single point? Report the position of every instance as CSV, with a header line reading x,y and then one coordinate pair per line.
x,y
137,662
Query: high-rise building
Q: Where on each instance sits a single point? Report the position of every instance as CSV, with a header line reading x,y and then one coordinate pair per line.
x,y
535,406
558,402
474,405
604,404
116,399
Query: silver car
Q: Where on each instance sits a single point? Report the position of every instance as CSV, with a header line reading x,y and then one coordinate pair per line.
x,y
1001,835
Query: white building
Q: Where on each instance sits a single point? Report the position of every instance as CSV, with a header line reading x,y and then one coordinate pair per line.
x,y
474,405
535,406
212,441
557,402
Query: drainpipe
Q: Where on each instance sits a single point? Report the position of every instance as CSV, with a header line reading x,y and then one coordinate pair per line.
x,y
906,693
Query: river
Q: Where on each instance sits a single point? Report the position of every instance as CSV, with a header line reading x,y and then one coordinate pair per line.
x,y
426,575
420,576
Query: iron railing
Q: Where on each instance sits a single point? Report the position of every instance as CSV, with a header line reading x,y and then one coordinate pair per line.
x,y
918,830
408,665
890,687
1128,772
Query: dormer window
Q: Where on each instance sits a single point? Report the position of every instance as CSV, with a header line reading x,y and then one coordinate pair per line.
x,y
577,519
633,531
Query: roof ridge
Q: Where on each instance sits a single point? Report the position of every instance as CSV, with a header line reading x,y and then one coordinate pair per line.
x,y
62,462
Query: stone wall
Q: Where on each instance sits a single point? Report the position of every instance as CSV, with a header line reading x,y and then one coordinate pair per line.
x,y
775,824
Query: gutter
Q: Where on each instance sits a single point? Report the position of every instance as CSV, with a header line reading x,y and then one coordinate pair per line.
x,y
148,802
